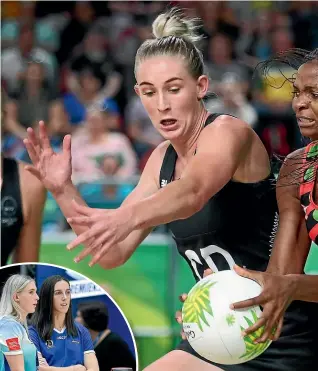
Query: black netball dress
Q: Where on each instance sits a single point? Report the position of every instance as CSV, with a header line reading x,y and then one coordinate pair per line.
x,y
11,209
239,224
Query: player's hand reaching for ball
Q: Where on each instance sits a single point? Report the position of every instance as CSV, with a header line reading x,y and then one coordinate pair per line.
x,y
183,298
274,299
53,169
106,228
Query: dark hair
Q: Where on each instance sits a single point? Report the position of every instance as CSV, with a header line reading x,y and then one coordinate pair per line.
x,y
293,58
42,319
95,315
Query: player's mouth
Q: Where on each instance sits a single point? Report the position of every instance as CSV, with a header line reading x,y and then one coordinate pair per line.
x,y
168,124
304,121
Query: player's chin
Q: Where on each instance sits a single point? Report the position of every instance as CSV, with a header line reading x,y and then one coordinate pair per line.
x,y
310,131
32,309
64,308
171,134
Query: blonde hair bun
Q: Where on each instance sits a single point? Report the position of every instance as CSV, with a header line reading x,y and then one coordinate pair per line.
x,y
174,23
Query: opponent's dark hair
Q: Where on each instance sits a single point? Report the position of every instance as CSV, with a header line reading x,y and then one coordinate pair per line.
x,y
95,315
42,319
293,58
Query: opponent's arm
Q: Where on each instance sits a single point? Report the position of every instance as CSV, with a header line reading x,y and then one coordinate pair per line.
x,y
291,245
33,200
288,256
220,150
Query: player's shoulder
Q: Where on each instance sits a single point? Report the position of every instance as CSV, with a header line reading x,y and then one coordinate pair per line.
x,y
225,130
294,159
10,323
225,124
160,151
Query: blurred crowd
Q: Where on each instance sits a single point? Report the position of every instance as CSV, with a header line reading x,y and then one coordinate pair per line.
x,y
71,64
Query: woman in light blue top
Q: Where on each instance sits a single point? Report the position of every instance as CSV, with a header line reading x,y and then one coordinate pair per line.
x,y
18,299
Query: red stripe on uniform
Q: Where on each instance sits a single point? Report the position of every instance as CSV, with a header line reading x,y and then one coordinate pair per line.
x,y
306,188
310,208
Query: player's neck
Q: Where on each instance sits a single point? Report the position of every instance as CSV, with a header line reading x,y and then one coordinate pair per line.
x,y
59,321
22,316
186,147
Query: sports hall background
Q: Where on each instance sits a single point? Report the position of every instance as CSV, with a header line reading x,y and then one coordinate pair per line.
x,y
82,52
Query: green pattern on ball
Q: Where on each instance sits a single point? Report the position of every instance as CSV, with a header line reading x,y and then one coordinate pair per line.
x,y
197,304
230,319
253,350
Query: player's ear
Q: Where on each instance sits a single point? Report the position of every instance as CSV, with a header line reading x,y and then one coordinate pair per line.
x,y
136,87
16,297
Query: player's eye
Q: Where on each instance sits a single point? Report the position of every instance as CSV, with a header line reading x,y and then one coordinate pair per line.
x,y
148,93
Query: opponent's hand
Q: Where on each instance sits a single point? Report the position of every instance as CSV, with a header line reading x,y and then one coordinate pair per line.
x,y
53,169
106,228
183,298
274,299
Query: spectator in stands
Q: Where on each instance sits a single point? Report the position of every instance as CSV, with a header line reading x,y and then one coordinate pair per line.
x,y
272,97
98,153
33,100
304,18
110,349
221,62
95,55
140,129
218,17
265,93
46,36
254,43
15,60
89,97
83,15
233,100
58,126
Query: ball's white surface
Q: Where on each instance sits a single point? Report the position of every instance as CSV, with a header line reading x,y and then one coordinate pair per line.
x,y
214,330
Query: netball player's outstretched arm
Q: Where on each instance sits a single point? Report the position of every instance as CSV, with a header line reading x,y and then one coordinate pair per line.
x,y
287,261
54,170
221,149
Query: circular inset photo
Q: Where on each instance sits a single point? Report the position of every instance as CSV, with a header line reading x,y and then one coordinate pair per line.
x,y
52,316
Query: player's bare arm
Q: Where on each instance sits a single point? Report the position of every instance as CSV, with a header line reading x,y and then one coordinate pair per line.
x,y
33,201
